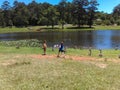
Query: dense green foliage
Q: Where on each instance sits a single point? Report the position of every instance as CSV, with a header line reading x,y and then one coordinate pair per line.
x,y
22,43
77,12
108,19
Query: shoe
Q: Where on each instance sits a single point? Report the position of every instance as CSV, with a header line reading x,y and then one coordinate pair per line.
x,y
58,56
43,54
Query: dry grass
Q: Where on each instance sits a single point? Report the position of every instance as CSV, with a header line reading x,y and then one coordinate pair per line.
x,y
23,72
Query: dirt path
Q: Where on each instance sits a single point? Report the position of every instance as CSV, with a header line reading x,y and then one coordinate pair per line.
x,y
93,60
64,57
78,58
39,56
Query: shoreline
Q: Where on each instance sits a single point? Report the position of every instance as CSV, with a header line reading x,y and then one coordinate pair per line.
x,y
57,28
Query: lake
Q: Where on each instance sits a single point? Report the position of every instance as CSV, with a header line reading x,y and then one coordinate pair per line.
x,y
100,39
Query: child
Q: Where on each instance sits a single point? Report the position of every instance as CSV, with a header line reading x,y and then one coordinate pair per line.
x,y
61,49
44,47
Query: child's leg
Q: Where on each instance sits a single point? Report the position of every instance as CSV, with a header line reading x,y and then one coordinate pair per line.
x,y
44,51
58,53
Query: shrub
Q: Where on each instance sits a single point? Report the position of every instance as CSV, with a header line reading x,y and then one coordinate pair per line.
x,y
22,43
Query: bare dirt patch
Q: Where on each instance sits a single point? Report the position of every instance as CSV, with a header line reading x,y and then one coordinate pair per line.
x,y
100,65
64,57
7,63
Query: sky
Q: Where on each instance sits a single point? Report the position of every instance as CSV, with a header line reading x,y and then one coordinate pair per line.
x,y
104,5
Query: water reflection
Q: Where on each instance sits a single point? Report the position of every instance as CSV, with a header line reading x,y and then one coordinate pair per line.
x,y
101,39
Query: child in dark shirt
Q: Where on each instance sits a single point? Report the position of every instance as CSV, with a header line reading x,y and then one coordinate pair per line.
x,y
61,49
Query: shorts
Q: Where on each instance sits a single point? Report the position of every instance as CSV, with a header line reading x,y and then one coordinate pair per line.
x,y
44,49
60,50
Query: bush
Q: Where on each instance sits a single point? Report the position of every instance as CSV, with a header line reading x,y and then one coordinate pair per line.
x,y
22,43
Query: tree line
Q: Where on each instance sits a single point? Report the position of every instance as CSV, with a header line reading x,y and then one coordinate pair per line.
x,y
108,19
77,12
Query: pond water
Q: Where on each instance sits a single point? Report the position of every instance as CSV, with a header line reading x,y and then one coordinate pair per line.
x,y
100,39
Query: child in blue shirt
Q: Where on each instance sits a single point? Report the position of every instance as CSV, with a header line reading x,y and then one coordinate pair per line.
x,y
61,49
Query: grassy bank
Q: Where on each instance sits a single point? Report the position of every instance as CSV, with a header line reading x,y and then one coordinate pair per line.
x,y
75,52
57,28
15,29
107,27
25,68
74,28
19,71
34,46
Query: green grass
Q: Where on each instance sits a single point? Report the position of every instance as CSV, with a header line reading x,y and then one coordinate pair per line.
x,y
15,29
22,50
74,28
108,53
57,28
10,30
107,27
21,72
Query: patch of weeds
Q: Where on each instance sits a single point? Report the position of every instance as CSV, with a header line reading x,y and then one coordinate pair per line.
x,y
21,63
22,43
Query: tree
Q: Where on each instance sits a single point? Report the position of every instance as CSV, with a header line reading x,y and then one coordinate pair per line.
x,y
21,15
79,10
6,14
6,6
33,7
52,12
68,14
62,10
2,23
15,3
91,11
44,14
102,18
116,13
